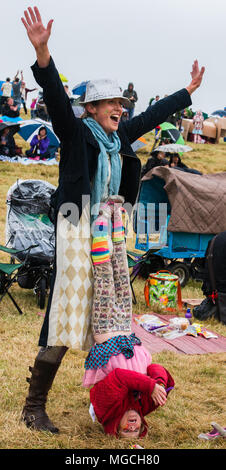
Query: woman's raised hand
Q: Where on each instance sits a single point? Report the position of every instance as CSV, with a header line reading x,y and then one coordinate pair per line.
x,y
38,34
196,75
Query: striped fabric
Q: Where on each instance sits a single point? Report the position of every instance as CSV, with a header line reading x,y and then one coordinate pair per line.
x,y
118,231
100,250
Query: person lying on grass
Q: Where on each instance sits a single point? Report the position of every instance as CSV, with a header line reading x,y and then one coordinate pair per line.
x,y
126,386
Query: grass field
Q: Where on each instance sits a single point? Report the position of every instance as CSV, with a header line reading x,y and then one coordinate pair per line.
x,y
199,395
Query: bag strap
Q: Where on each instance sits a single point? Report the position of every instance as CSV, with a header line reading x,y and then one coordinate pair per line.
x,y
210,264
163,271
146,293
211,271
179,297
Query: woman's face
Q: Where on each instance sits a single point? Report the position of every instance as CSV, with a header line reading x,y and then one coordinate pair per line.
x,y
175,159
130,424
107,113
42,133
161,155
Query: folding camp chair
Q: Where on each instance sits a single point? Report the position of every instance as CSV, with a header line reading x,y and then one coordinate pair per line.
x,y
138,263
134,262
10,271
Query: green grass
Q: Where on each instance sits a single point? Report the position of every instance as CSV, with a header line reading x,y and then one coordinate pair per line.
x,y
199,395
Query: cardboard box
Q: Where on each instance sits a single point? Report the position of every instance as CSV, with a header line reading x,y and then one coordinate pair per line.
x,y
210,129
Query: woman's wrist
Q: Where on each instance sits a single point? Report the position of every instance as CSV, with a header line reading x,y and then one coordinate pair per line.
x,y
190,89
43,56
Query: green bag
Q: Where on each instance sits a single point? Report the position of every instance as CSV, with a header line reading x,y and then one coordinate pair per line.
x,y
163,288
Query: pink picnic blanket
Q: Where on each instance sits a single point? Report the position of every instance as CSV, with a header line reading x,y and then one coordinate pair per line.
x,y
184,344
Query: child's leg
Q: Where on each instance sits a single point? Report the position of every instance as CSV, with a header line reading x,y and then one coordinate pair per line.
x,y
123,295
100,251
106,318
103,294
103,309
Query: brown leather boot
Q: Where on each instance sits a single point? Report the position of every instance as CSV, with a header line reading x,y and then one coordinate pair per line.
x,y
34,414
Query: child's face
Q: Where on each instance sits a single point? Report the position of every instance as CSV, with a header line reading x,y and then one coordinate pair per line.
x,y
130,425
42,133
107,113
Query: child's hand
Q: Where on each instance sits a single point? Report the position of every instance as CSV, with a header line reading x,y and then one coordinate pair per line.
x,y
159,395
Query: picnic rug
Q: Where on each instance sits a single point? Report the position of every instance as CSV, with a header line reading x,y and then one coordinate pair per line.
x,y
28,161
184,344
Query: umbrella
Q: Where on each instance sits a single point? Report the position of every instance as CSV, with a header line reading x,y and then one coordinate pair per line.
x,y
30,127
171,132
174,148
63,78
79,89
139,143
220,113
14,127
78,111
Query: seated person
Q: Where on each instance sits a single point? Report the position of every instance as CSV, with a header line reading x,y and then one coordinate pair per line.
x,y
39,145
214,281
126,386
41,110
157,159
10,109
175,162
7,143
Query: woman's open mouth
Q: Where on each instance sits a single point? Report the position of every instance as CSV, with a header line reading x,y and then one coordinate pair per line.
x,y
115,118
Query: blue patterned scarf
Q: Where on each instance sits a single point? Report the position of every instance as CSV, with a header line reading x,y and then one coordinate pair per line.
x,y
109,144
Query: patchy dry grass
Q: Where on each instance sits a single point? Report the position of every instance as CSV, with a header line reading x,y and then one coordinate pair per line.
x,y
199,396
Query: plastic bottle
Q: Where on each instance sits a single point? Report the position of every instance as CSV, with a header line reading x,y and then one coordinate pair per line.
x,y
188,315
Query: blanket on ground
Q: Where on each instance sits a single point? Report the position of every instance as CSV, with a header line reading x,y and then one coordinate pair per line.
x,y
28,161
183,345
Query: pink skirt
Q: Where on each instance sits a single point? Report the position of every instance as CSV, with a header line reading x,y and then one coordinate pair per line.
x,y
138,363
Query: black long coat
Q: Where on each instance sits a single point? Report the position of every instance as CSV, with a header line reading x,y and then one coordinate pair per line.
x,y
80,150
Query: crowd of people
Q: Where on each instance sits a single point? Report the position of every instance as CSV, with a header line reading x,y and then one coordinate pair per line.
x,y
13,99
172,160
14,95
197,118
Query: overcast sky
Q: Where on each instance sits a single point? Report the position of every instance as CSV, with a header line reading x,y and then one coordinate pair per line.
x,y
150,42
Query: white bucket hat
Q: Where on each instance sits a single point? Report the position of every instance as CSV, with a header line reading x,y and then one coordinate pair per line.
x,y
103,89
